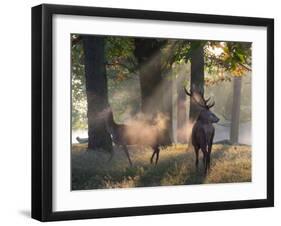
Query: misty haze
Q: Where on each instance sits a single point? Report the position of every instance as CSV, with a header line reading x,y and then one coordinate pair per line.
x,y
152,112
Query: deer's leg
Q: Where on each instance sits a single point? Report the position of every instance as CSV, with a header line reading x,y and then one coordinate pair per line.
x,y
157,154
208,161
127,154
203,146
152,156
197,156
205,156
209,156
210,150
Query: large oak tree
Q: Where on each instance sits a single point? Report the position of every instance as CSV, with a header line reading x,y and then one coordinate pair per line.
x,y
96,90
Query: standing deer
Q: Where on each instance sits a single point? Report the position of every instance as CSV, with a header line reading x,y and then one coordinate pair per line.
x,y
123,135
203,131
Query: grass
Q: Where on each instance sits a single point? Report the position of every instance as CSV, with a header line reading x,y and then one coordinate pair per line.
x,y
91,169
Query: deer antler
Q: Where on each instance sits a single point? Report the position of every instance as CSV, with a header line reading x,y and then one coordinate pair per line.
x,y
205,105
188,93
211,105
206,101
193,98
198,103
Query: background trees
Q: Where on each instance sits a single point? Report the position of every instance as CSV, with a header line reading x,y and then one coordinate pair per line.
x,y
148,75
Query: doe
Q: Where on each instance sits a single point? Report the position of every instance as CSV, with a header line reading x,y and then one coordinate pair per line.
x,y
124,135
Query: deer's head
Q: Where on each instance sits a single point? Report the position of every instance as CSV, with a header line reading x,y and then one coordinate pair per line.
x,y
203,104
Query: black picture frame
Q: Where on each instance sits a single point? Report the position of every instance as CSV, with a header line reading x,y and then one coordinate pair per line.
x,y
42,107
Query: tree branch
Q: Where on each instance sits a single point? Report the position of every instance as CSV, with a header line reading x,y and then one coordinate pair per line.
x,y
130,69
245,67
76,40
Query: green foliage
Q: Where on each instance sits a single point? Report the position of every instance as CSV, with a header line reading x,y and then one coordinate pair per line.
x,y
78,94
235,58
120,63
223,60
119,47
120,59
182,52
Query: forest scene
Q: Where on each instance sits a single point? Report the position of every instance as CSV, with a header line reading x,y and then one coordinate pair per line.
x,y
159,112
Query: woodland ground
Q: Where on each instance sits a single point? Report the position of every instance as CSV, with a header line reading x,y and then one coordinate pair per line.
x,y
91,169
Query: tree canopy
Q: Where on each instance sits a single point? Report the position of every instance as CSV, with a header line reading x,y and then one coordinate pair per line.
x,y
223,60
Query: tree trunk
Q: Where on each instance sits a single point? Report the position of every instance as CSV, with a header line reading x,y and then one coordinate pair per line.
x,y
174,110
149,59
147,52
167,104
197,75
96,89
235,115
181,115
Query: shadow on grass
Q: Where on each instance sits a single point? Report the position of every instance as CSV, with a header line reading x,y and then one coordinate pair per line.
x,y
179,170
91,170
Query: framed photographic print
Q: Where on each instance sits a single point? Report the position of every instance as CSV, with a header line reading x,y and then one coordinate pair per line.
x,y
146,112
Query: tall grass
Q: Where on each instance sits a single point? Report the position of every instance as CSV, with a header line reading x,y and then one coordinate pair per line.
x,y
91,170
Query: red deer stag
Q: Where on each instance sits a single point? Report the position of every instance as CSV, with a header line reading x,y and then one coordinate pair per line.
x,y
124,135
203,131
